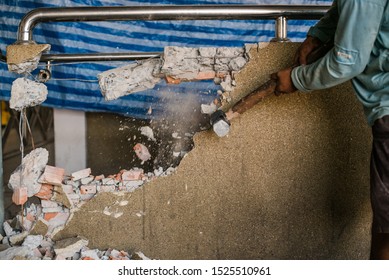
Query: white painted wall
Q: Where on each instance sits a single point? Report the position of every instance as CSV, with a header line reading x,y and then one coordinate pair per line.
x,y
70,139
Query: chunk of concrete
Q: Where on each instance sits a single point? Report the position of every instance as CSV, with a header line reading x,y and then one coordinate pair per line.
x,y
28,173
128,79
15,252
27,93
24,58
68,247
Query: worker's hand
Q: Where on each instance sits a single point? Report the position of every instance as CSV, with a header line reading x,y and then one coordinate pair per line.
x,y
306,48
284,81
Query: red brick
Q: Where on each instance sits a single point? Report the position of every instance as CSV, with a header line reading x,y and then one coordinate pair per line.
x,y
52,175
19,196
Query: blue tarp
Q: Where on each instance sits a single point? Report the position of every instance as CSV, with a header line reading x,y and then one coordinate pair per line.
x,y
75,85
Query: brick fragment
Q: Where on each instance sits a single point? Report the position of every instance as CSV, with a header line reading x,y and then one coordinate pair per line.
x,y
133,174
87,180
109,181
171,80
49,203
49,216
68,189
81,174
62,197
46,192
88,189
19,196
52,175
52,209
206,75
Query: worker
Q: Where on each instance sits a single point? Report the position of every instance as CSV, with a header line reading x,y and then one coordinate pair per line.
x,y
358,31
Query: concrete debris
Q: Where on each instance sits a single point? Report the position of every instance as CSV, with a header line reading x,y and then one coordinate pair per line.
x,y
188,64
33,241
208,109
30,236
81,174
179,64
25,67
24,58
52,175
67,248
139,256
128,79
8,229
28,173
26,93
15,252
18,238
142,152
148,132
19,196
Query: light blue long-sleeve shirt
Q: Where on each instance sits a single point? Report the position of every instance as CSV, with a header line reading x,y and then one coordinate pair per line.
x,y
360,31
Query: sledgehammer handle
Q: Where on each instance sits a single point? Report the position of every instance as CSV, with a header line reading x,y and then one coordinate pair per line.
x,y
255,97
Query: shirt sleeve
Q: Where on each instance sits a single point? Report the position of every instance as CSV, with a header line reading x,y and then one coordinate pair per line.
x,y
356,31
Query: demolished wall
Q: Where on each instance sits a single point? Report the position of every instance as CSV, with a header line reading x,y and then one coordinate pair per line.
x,y
289,182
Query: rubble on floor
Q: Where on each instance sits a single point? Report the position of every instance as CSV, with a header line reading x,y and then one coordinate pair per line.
x,y
29,235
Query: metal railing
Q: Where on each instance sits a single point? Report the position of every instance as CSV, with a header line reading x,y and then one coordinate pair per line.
x,y
279,13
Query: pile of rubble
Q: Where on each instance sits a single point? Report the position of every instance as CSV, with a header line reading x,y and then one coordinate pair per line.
x,y
30,234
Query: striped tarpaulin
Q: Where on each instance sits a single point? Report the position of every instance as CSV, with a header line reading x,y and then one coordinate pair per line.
x,y
75,85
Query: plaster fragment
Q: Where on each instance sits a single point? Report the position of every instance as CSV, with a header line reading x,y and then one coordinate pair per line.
x,y
68,247
129,79
28,173
26,93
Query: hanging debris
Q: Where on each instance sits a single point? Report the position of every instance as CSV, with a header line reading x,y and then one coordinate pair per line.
x,y
26,93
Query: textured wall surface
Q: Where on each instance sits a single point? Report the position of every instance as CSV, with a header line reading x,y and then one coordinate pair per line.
x,y
289,182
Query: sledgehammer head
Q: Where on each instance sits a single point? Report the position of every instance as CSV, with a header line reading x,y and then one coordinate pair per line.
x,y
220,123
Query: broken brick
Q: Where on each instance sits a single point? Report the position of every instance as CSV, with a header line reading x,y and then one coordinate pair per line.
x,y
46,192
171,80
68,189
49,216
62,197
87,180
81,174
88,189
206,75
52,175
19,196
133,174
49,203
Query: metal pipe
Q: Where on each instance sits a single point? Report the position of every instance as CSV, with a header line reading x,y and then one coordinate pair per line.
x,y
281,30
97,57
191,12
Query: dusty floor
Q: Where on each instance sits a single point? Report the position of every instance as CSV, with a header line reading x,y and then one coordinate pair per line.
x,y
289,182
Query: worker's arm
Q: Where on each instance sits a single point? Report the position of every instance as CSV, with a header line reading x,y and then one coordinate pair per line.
x,y
358,24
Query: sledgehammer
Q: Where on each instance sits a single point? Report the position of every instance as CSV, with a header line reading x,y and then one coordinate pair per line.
x,y
220,120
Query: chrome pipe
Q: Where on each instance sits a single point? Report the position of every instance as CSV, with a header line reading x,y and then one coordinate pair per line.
x,y
281,33
191,12
84,57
